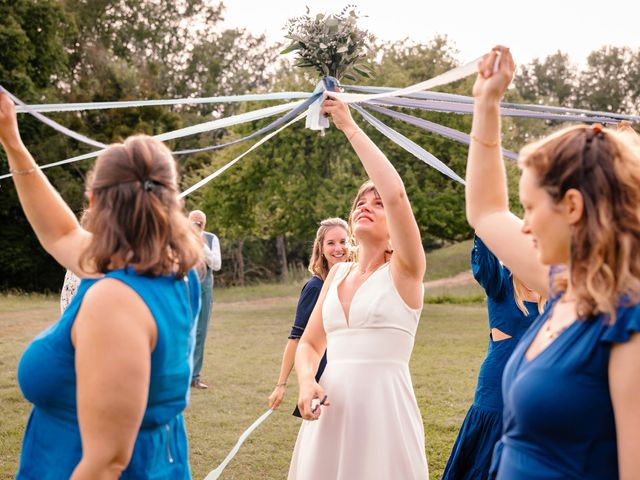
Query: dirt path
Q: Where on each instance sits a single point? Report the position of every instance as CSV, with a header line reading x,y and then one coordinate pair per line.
x,y
463,278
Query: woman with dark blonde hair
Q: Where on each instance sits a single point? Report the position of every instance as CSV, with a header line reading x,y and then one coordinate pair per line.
x,y
571,388
362,418
109,380
511,308
330,246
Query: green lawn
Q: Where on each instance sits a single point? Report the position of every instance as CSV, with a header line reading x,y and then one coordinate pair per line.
x,y
241,365
448,261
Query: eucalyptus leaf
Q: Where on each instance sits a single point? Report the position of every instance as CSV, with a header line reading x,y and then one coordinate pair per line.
x,y
332,44
332,22
290,48
361,71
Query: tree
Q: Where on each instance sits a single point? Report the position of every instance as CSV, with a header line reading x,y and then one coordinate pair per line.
x,y
611,81
33,53
551,81
81,50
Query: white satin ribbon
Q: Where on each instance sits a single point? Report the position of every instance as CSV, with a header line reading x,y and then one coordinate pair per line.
x,y
230,164
192,130
214,474
73,107
443,79
315,119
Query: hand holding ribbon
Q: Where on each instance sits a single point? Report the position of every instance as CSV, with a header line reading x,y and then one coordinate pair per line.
x,y
340,115
492,82
9,133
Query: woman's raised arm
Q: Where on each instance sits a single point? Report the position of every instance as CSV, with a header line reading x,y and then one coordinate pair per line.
x,y
408,254
52,220
487,201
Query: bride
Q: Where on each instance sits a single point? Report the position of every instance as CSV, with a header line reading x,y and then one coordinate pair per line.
x,y
362,419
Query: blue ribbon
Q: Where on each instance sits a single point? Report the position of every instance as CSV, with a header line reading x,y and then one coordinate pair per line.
x,y
447,132
55,125
564,113
464,108
408,145
283,119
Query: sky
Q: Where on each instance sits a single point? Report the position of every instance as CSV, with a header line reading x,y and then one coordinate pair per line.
x,y
529,29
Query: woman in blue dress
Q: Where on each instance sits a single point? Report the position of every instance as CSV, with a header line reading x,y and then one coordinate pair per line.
x,y
511,308
109,380
570,388
330,246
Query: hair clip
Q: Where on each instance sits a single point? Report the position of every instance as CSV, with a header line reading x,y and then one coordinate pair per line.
x,y
597,128
149,185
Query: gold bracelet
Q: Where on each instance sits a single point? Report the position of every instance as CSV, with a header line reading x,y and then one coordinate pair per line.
x,y
281,384
349,137
26,171
484,142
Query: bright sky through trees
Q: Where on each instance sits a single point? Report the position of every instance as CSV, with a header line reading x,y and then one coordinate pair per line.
x,y
530,29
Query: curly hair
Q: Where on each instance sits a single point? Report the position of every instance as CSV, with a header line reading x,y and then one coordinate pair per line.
x,y
604,166
318,264
135,214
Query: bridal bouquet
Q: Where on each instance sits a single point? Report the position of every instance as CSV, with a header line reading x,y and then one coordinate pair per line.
x,y
331,44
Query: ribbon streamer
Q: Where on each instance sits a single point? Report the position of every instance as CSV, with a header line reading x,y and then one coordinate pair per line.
x,y
442,79
286,117
408,145
192,130
74,107
218,172
447,132
55,125
465,108
456,98
214,474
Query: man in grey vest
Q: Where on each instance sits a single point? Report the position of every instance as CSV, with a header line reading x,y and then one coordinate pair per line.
x,y
212,261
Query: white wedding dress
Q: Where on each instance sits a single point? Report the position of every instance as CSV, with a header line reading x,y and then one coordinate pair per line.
x,y
373,428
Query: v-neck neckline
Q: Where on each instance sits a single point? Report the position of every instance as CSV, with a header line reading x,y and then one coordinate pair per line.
x,y
545,318
347,315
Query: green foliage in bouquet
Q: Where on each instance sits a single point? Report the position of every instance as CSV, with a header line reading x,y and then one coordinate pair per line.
x,y
331,44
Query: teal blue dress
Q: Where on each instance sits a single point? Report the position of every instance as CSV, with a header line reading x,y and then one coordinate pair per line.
x,y
470,457
52,447
559,422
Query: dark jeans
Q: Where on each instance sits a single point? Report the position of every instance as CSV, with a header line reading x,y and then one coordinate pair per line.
x,y
203,323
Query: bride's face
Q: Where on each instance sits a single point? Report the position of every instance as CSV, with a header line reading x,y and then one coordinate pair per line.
x,y
368,218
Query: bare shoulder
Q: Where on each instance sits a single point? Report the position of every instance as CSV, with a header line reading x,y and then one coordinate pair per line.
x,y
111,305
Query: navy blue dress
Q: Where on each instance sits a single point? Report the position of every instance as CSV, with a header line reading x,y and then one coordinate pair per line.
x,y
306,302
471,454
558,416
52,446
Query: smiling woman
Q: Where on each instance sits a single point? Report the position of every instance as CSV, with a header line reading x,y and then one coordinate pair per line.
x,y
330,247
362,416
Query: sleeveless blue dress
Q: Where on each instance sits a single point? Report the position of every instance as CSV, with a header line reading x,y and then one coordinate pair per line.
x,y
52,447
558,416
470,457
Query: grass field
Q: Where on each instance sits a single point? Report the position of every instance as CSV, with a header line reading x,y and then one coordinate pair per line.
x,y
448,261
242,357
241,364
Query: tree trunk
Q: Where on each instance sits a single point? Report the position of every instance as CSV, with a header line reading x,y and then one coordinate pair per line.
x,y
281,249
240,262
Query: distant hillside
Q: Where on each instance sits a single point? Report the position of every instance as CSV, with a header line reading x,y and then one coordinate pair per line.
x,y
448,261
